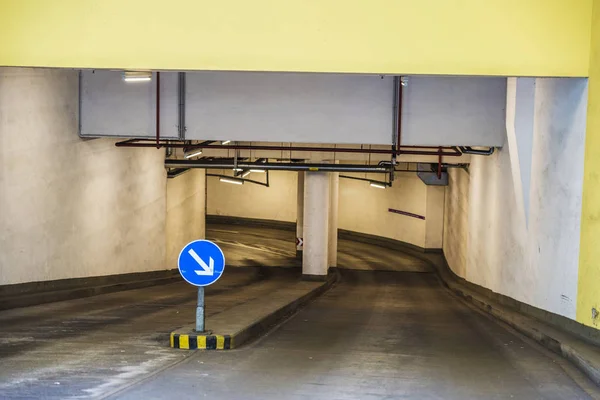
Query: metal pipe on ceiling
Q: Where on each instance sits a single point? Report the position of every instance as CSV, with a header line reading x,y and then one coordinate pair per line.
x,y
449,151
439,167
175,172
181,96
461,165
399,140
158,110
470,150
276,166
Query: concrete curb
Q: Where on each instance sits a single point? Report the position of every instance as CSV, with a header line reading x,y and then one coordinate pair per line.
x,y
32,299
188,340
192,341
548,337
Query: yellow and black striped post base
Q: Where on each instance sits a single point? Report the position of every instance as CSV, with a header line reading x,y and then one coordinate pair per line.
x,y
201,342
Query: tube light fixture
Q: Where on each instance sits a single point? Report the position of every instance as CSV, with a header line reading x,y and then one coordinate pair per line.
x,y
226,142
245,174
232,180
137,76
258,171
237,169
377,185
193,154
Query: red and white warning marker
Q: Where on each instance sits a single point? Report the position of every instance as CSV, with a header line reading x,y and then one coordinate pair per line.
x,y
299,243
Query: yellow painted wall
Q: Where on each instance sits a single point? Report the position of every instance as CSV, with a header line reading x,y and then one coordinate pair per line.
x,y
475,37
588,292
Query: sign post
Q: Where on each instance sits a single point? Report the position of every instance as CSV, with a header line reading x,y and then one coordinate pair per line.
x,y
200,310
201,263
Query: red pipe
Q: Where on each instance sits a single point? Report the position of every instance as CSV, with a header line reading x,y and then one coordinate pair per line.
x,y
140,142
453,150
408,214
439,169
398,142
157,110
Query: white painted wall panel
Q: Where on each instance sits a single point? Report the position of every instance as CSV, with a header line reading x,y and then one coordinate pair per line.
x,y
287,107
70,207
110,106
536,263
185,212
453,111
520,104
556,190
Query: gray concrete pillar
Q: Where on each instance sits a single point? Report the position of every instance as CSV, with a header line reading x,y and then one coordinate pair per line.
x,y
334,185
300,216
316,225
434,224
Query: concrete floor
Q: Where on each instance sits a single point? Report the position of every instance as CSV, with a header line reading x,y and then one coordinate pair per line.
x,y
87,347
376,335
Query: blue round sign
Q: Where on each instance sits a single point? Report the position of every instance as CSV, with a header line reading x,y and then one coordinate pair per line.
x,y
201,263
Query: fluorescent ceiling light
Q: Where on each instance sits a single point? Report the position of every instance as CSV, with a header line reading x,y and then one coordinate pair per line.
x,y
226,142
232,180
237,169
137,76
193,154
137,79
245,174
259,171
378,185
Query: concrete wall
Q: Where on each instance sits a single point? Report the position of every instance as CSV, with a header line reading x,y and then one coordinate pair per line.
x,y
277,202
185,212
365,209
487,239
72,207
361,208
456,220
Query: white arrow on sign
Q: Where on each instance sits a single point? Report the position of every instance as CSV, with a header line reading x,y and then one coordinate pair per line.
x,y
207,270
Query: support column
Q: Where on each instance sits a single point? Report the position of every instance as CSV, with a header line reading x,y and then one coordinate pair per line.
x,y
434,212
300,216
316,226
334,184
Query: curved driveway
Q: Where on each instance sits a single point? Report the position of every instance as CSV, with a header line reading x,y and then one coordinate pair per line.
x,y
248,246
375,335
